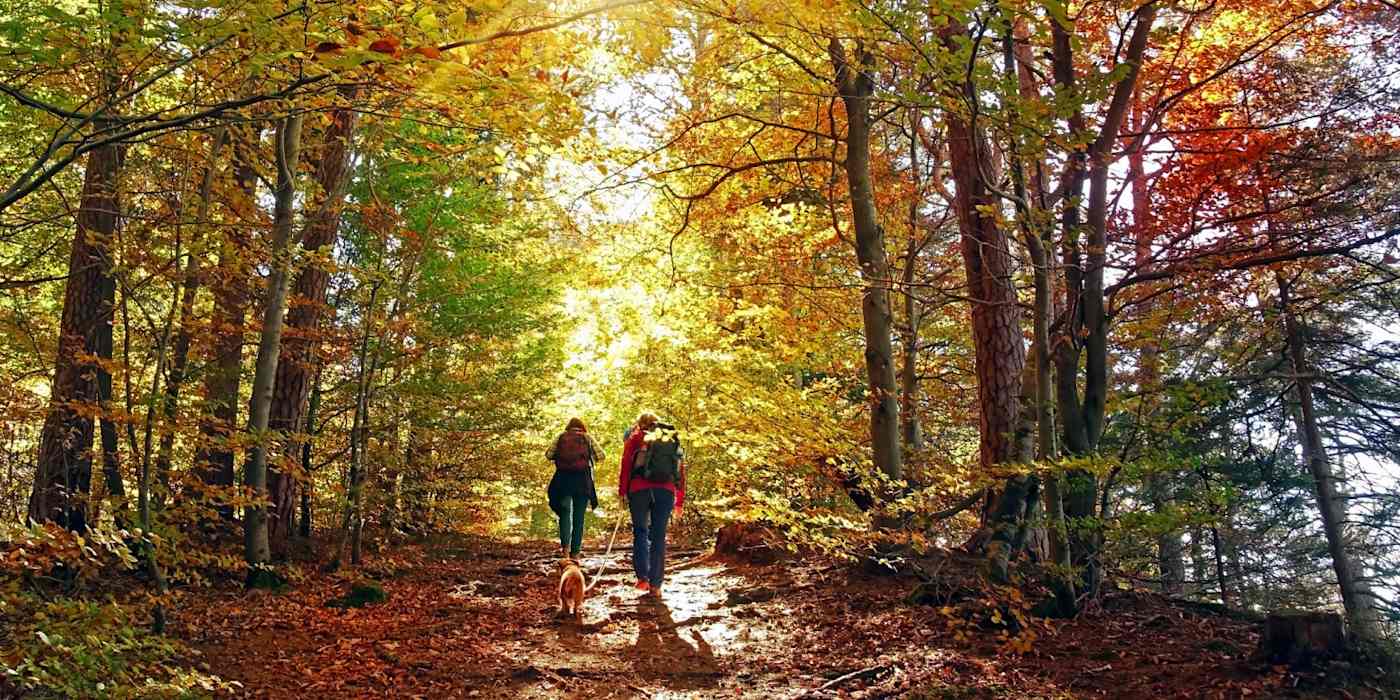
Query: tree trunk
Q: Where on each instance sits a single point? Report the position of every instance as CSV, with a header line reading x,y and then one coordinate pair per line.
x,y
232,292
63,472
1171,555
1357,597
1030,194
293,383
855,85
1083,319
1171,562
180,352
143,483
996,323
1200,567
354,515
313,407
111,465
912,429
1227,596
255,531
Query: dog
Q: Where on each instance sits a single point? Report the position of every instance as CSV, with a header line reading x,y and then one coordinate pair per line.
x,y
571,589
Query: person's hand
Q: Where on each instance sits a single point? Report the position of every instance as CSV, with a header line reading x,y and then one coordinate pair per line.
x,y
593,504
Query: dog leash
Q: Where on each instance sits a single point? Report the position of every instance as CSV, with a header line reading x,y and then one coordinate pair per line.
x,y
611,540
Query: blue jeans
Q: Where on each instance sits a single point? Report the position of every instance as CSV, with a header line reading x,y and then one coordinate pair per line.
x,y
651,511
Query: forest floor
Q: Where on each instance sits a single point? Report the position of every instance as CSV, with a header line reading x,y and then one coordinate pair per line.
x,y
476,619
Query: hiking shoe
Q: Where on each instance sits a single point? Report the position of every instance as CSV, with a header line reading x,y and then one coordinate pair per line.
x,y
643,586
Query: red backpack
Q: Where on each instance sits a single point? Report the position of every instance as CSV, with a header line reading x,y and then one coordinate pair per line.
x,y
573,452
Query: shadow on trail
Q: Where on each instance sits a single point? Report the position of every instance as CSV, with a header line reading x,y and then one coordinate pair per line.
x,y
660,653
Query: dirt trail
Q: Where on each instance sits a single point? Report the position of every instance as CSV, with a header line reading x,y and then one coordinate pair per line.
x,y
633,645
480,621
476,619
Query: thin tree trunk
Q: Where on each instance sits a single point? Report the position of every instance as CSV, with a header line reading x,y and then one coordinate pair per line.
x,y
912,429
231,292
1226,597
63,471
256,550
1200,568
1030,193
181,350
293,383
313,407
148,549
1171,562
1231,540
1357,597
111,465
354,516
855,85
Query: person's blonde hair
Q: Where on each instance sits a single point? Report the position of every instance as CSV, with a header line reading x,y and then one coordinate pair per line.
x,y
646,419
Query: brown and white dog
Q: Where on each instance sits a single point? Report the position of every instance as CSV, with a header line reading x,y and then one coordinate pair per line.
x,y
571,589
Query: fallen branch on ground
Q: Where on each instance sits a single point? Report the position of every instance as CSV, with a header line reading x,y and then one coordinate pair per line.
x,y
870,672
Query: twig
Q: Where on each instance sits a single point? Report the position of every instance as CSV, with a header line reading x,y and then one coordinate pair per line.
x,y
692,562
853,675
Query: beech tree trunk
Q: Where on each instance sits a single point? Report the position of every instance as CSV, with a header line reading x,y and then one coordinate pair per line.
x,y
855,85
63,472
1083,324
255,531
293,383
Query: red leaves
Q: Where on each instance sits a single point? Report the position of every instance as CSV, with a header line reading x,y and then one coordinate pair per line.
x,y
328,47
430,52
388,44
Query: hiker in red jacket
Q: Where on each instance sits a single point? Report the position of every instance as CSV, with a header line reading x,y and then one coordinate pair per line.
x,y
652,483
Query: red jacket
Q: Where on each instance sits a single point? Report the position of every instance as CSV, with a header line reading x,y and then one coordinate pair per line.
x,y
626,483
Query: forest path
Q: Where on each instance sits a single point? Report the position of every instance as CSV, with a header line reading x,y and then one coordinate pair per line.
x,y
689,641
476,618
479,619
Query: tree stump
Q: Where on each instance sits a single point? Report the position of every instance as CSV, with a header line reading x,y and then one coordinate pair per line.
x,y
746,542
1301,638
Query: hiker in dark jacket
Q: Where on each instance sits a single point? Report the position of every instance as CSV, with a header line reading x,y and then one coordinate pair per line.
x,y
573,454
